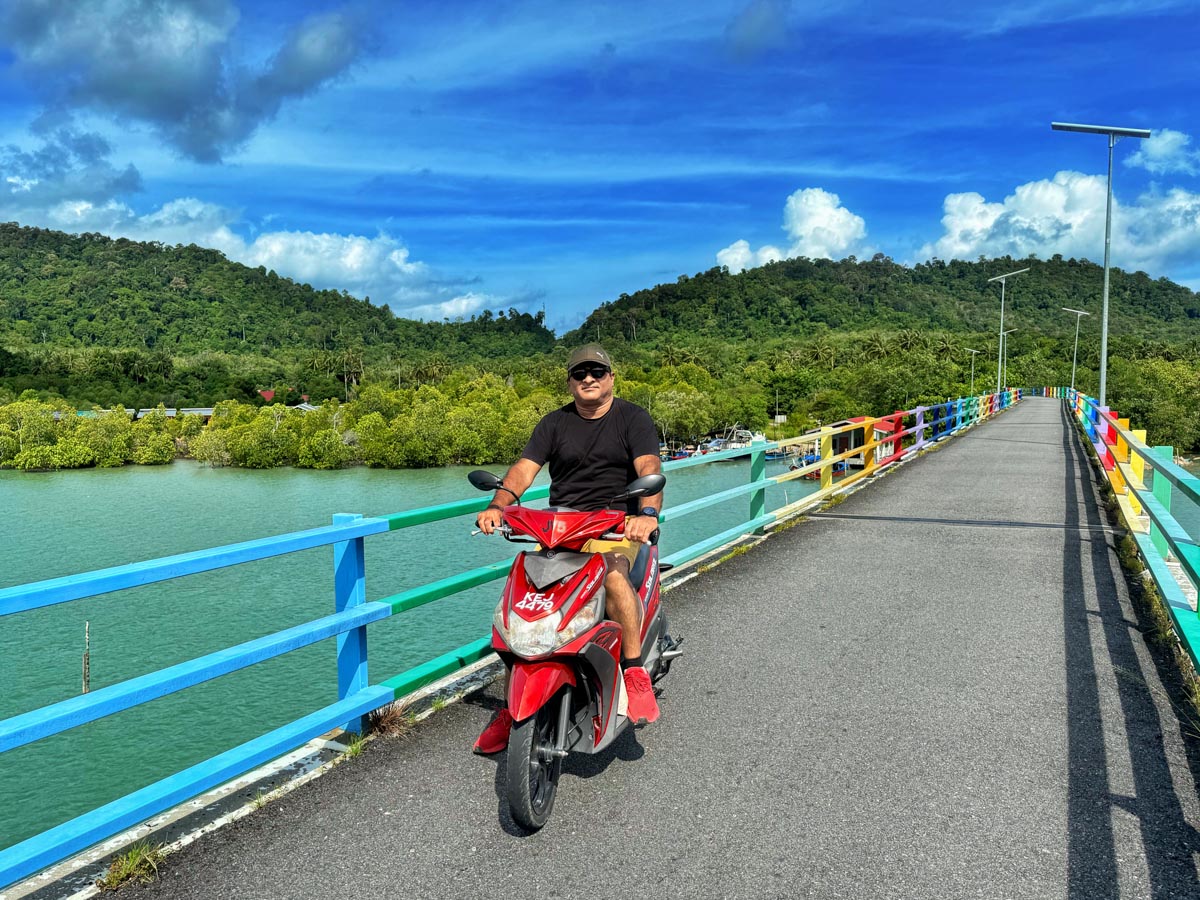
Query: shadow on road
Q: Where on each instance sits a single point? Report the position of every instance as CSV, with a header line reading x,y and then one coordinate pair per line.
x,y
1168,840
578,765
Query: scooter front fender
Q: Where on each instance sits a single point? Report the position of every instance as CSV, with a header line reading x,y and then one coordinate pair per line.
x,y
532,684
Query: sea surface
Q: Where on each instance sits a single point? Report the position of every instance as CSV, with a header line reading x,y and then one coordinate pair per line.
x,y
63,523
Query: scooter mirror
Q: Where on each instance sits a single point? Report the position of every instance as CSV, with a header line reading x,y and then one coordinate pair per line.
x,y
646,486
485,481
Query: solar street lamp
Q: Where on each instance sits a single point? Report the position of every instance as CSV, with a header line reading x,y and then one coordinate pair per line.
x,y
973,354
1113,135
1079,314
1004,351
1003,279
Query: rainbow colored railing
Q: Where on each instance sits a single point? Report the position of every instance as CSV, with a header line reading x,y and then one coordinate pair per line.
x,y
1142,477
884,441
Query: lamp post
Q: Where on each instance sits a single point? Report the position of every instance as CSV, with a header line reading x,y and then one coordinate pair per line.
x,y
1003,279
1004,351
1079,314
1113,134
973,354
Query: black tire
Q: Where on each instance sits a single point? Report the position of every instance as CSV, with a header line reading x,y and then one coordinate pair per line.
x,y
532,770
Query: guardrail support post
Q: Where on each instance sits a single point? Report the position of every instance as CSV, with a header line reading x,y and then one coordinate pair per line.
x,y
870,453
1137,465
350,590
919,431
758,473
826,452
1162,492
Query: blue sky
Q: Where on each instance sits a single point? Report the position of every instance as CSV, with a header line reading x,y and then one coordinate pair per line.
x,y
449,157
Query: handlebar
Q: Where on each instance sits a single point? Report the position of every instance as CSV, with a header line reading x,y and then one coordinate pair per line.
x,y
505,531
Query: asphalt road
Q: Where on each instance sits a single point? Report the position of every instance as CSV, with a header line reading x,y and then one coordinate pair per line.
x,y
936,689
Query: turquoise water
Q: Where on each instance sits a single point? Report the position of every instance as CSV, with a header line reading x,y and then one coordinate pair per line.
x,y
70,522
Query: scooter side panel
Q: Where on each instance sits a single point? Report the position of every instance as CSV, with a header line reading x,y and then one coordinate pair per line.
x,y
532,684
648,592
602,655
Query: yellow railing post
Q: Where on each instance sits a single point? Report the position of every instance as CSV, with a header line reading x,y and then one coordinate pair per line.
x,y
869,446
1138,466
826,452
1122,448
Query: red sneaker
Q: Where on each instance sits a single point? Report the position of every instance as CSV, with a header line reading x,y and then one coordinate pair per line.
x,y
495,736
642,707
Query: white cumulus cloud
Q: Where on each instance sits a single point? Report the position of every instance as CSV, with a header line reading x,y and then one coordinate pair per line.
x,y
818,226
378,267
1166,152
1065,215
67,182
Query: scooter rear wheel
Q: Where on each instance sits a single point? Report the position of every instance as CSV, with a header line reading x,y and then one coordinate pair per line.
x,y
533,768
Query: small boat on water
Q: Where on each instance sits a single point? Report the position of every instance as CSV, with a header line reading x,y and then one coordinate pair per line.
x,y
668,452
839,468
732,439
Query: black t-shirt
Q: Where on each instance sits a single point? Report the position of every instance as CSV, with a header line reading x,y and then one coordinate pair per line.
x,y
591,460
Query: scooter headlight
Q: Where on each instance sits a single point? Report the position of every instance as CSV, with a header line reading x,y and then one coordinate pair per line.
x,y
588,616
542,637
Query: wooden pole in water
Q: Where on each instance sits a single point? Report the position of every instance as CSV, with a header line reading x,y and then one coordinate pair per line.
x,y
87,656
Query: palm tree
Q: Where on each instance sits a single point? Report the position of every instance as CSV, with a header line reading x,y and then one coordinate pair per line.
x,y
911,339
875,346
821,352
944,345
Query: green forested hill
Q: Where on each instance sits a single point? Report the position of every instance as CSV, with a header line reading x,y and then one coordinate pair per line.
x,y
802,297
93,291
97,321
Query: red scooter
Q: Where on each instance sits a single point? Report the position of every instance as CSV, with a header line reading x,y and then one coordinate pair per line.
x,y
565,689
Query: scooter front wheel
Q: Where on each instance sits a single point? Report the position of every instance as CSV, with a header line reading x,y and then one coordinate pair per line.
x,y
533,767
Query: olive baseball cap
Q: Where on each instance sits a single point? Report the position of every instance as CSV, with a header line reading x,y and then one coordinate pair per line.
x,y
589,353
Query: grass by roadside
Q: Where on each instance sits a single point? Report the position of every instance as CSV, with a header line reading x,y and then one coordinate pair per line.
x,y
138,864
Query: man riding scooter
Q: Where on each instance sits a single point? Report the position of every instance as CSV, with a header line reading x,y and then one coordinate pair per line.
x,y
594,445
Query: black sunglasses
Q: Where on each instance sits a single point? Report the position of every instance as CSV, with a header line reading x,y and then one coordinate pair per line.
x,y
581,372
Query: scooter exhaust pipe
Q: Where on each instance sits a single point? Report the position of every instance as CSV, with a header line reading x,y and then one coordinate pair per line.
x,y
668,655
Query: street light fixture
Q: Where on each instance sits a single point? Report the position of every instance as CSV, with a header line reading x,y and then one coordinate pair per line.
x,y
1079,314
1113,135
1003,280
972,352
1004,350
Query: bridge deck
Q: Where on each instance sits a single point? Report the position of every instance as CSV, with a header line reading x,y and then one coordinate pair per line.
x,y
935,689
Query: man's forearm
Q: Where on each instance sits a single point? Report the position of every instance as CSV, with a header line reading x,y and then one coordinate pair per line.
x,y
649,465
516,481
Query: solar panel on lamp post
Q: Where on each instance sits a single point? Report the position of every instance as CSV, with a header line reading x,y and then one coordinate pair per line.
x,y
973,353
1004,351
1113,134
1003,279
1079,314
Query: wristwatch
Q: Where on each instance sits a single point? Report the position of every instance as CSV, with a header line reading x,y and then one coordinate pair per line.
x,y
648,511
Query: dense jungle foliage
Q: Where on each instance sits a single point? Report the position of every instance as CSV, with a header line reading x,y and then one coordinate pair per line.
x,y
87,321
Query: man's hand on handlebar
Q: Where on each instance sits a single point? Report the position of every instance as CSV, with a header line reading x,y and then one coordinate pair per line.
x,y
639,528
488,520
